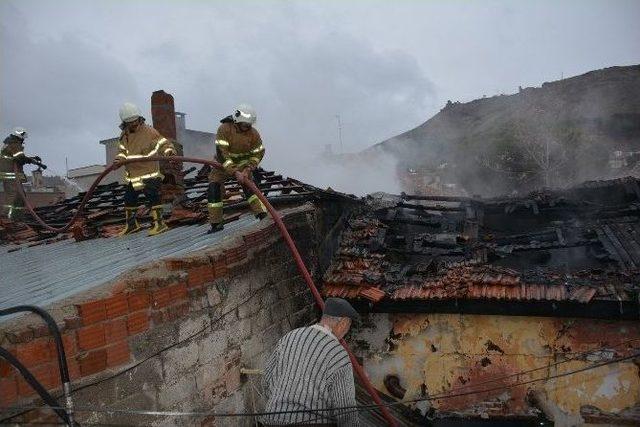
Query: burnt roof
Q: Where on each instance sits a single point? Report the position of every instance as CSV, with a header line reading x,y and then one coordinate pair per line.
x,y
104,215
573,252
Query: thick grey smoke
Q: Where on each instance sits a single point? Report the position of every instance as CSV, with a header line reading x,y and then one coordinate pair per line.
x,y
384,67
555,136
66,87
51,87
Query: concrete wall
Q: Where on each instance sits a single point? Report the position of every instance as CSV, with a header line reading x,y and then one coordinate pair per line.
x,y
111,151
173,335
444,353
85,181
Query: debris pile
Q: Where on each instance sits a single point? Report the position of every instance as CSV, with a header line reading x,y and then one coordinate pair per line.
x,y
577,245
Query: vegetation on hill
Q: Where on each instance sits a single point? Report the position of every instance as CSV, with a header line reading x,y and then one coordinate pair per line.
x,y
559,134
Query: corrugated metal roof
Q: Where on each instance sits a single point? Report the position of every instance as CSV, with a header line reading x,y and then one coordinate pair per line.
x,y
44,274
104,211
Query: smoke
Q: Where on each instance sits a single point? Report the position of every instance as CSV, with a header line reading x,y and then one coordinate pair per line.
x,y
68,65
56,89
555,136
353,174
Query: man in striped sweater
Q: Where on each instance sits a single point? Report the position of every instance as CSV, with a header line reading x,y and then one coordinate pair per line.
x,y
309,371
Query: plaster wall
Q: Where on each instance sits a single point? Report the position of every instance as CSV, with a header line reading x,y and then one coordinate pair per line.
x,y
435,354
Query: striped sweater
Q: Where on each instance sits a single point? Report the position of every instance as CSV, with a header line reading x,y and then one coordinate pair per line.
x,y
309,369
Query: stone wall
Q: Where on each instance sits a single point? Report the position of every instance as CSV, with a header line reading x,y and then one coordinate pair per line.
x,y
173,335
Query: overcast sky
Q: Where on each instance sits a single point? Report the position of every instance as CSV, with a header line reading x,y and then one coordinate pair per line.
x,y
383,66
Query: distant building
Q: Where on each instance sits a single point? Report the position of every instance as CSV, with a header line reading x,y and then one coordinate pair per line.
x,y
43,190
85,176
194,143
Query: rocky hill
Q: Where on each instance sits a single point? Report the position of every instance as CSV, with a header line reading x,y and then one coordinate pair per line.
x,y
555,135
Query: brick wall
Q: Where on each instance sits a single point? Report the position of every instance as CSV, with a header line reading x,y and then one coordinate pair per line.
x,y
173,335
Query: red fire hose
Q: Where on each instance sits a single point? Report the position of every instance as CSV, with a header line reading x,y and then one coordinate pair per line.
x,y
274,214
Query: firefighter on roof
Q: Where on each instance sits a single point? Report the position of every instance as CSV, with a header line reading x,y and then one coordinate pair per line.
x,y
140,140
238,148
12,153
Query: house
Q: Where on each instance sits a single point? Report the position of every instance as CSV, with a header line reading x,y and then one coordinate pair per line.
x,y
507,309
42,190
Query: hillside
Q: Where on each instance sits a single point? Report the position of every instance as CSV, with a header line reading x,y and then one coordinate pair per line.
x,y
555,135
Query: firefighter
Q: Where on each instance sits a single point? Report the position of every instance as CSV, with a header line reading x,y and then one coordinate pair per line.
x,y
13,153
140,140
238,148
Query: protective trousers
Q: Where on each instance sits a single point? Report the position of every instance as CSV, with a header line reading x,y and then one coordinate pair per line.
x,y
217,178
13,205
150,189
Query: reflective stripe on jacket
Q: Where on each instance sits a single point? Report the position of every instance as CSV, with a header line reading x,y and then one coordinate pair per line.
x,y
237,148
12,153
144,142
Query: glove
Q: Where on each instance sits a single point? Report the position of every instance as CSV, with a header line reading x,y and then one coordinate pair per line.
x,y
43,166
37,159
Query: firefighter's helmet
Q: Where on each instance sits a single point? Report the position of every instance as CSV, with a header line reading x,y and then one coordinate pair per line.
x,y
129,112
20,133
244,114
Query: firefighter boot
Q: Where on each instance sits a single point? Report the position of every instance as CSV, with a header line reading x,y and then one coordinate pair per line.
x,y
131,222
257,207
158,223
215,228
215,217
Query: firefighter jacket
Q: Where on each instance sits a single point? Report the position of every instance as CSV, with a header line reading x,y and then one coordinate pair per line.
x,y
144,142
12,152
238,149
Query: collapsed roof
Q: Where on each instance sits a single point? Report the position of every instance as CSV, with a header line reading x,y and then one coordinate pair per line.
x,y
573,252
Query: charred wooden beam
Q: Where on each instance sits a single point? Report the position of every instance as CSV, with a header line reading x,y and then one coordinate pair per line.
x,y
595,309
436,198
413,221
431,208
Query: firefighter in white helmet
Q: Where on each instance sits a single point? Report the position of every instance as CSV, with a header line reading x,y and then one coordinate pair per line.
x,y
139,140
238,148
12,153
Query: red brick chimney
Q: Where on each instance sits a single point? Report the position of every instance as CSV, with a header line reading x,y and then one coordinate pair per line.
x,y
163,113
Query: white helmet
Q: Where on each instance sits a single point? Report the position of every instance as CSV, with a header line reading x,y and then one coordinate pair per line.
x,y
129,112
20,133
244,114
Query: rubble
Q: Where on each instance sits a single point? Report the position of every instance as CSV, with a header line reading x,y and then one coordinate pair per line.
x,y
579,245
